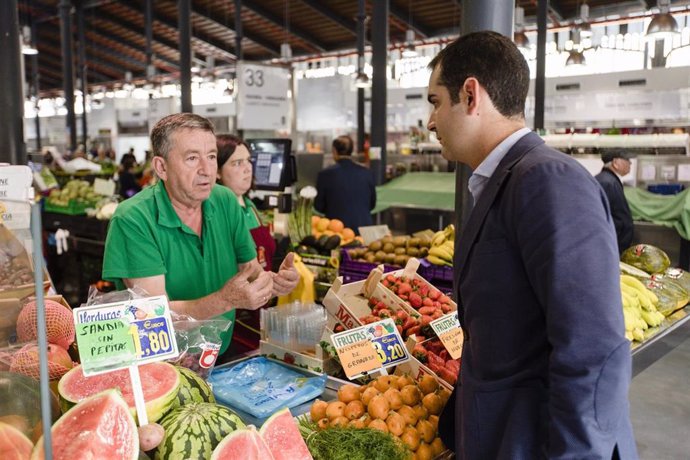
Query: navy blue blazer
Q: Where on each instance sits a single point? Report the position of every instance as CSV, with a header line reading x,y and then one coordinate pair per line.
x,y
346,191
545,364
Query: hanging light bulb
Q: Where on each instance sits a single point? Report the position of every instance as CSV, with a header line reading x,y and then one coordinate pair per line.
x,y
663,24
285,51
585,27
27,47
410,50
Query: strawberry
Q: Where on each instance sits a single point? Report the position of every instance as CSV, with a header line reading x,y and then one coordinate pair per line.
x,y
434,295
444,299
415,300
404,288
427,302
399,328
445,308
391,279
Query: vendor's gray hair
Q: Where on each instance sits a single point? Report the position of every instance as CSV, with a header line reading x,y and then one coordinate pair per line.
x,y
167,126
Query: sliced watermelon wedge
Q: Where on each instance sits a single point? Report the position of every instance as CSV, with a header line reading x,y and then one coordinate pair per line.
x,y
159,381
14,445
245,444
282,436
100,426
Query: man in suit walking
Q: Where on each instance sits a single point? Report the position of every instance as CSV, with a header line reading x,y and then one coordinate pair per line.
x,y
346,190
545,365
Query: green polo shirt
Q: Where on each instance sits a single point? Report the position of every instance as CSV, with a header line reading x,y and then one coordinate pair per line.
x,y
250,213
147,238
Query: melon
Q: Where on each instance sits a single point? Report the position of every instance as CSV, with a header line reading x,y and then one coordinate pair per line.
x,y
100,426
194,430
647,258
244,444
282,436
26,361
671,295
159,381
193,388
59,323
20,402
14,445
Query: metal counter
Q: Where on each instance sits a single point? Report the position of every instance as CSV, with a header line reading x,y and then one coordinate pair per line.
x,y
673,331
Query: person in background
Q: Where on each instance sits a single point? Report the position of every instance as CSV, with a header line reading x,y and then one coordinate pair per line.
x,y
346,190
127,180
235,172
617,165
185,237
545,363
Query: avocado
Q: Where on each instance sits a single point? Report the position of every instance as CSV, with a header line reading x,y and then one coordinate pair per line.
x,y
321,242
332,243
309,240
302,249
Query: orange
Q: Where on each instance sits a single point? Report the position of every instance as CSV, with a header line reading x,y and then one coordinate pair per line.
x,y
315,220
322,224
336,225
348,234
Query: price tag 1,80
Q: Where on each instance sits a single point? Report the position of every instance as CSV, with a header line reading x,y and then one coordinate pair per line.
x,y
120,334
381,337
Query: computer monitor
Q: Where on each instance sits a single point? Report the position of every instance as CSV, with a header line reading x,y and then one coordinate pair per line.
x,y
273,168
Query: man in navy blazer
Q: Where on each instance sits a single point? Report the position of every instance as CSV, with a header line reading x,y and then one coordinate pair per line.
x,y
545,364
346,190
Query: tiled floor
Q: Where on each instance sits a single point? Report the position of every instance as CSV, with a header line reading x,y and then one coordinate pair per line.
x,y
660,407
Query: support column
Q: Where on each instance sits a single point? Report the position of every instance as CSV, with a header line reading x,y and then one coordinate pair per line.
x,y
477,15
65,7
540,82
185,26
35,78
361,18
239,35
148,26
13,149
82,73
379,41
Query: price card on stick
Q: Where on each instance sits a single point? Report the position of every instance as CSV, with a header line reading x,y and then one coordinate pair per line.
x,y
370,348
447,327
125,335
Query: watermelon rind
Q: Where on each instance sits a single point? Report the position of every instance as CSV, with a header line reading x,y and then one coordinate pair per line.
x,y
627,269
13,443
156,408
112,449
195,429
227,451
282,436
193,388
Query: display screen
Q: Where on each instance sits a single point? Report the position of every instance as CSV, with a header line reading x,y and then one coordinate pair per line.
x,y
270,157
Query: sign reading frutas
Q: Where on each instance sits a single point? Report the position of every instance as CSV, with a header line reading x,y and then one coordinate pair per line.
x,y
447,327
369,348
121,334
262,96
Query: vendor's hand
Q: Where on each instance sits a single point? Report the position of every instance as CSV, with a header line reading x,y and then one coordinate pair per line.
x,y
249,289
287,277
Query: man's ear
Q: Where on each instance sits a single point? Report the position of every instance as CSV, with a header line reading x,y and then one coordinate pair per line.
x,y
160,167
471,90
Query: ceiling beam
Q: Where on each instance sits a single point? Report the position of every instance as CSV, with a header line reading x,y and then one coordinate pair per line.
x,y
54,58
403,16
218,49
556,10
346,23
280,22
223,21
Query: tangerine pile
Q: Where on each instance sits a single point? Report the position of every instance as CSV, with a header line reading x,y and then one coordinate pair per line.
x,y
329,227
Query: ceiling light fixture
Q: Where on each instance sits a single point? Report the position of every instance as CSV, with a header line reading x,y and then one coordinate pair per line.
x,y
285,48
362,80
410,51
585,27
663,24
27,47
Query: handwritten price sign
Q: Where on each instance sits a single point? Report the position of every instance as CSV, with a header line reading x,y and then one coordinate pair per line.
x,y
121,334
369,348
448,329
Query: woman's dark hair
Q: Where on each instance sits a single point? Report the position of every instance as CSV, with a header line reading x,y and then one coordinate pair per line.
x,y
494,61
227,144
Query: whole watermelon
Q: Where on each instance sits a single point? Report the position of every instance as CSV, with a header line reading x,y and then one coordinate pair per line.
x,y
194,430
646,257
193,388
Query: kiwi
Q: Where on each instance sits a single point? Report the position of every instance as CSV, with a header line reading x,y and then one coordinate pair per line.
x,y
399,251
379,256
413,252
399,260
424,242
423,252
400,241
370,257
375,245
389,258
388,248
387,239
413,242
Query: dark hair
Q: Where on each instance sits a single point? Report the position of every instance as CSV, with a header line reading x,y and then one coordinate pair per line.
x,y
343,145
227,144
494,61
166,127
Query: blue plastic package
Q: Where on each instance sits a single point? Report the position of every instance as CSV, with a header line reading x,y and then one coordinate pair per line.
x,y
261,387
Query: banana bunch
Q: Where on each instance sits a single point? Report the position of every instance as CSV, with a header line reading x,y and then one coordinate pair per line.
x,y
639,308
443,247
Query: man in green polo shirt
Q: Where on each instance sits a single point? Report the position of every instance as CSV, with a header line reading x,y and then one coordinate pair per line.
x,y
185,236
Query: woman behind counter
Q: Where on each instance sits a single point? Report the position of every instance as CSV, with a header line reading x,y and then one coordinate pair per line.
x,y
235,172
